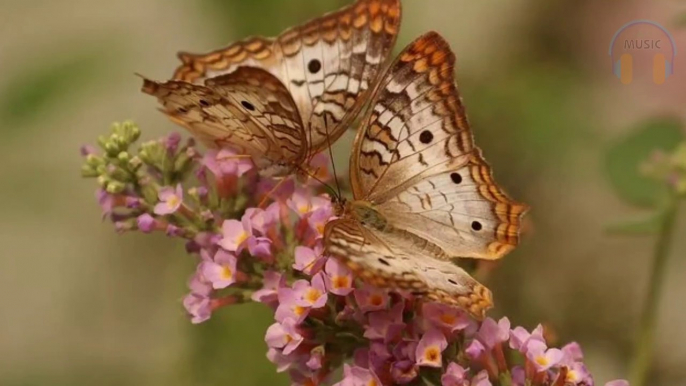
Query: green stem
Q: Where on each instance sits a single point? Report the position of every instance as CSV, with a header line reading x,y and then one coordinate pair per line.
x,y
643,350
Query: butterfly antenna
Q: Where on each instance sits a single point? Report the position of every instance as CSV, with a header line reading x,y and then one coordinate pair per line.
x,y
328,187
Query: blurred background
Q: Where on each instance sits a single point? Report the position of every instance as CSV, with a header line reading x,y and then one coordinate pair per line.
x,y
85,306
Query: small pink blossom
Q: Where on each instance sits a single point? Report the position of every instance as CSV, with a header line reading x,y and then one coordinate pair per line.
x,y
221,272
446,317
339,279
386,325
617,382
316,358
455,375
520,337
307,260
271,283
282,362
263,220
284,335
358,376
430,347
311,295
303,203
146,223
370,298
235,234
481,379
198,307
475,349
170,200
260,247
289,307
542,357
404,372
492,333
226,162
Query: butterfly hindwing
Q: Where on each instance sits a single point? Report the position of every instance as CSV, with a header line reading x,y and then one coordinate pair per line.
x,y
249,110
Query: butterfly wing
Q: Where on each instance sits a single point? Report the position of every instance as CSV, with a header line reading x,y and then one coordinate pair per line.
x,y
416,161
249,110
379,261
329,64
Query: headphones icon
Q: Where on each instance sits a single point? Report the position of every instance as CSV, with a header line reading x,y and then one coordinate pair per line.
x,y
662,68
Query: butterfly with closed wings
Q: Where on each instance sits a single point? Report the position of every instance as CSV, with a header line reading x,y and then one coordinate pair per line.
x,y
282,100
423,193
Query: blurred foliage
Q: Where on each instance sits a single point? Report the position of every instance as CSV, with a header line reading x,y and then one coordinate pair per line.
x,y
623,160
38,89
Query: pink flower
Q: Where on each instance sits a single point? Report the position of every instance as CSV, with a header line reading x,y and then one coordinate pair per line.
x,y
308,260
573,352
481,379
226,162
146,223
475,349
339,279
313,296
282,362
317,219
170,200
302,202
283,335
520,337
404,372
430,347
271,283
445,317
198,307
385,325
542,357
454,375
316,357
234,234
370,298
263,220
491,333
358,376
289,307
577,373
221,272
260,247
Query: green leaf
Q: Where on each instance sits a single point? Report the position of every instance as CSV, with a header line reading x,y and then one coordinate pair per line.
x,y
644,226
624,158
33,91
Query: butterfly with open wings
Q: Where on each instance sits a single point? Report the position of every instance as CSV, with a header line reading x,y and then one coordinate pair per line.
x,y
282,100
423,193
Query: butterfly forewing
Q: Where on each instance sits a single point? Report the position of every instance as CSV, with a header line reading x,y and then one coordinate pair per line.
x,y
329,64
249,110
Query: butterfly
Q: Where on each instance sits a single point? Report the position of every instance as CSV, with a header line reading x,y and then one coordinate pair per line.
x,y
282,100
423,193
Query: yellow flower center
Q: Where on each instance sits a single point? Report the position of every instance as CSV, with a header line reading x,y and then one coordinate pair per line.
x,y
572,376
226,273
173,201
302,209
448,318
320,228
375,300
288,338
432,354
241,237
372,382
312,295
340,282
542,360
298,310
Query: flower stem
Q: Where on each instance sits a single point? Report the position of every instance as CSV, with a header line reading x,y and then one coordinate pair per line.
x,y
643,349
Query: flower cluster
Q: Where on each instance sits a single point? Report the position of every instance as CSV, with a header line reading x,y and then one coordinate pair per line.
x,y
261,240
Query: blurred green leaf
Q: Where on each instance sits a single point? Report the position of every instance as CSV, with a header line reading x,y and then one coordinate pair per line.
x,y
645,226
266,17
680,20
624,158
34,91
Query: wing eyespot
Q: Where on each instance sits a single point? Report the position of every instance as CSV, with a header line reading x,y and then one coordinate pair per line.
x,y
248,105
426,137
476,226
456,178
314,66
